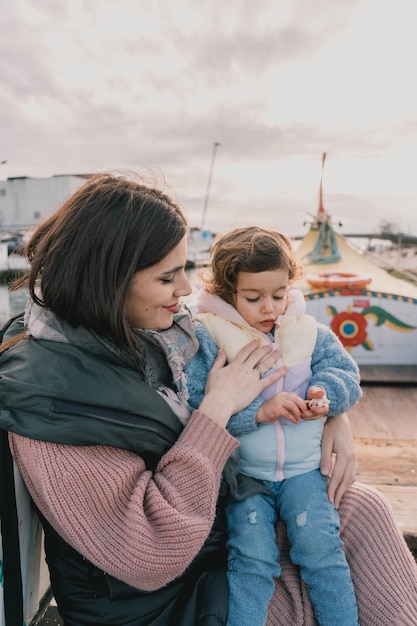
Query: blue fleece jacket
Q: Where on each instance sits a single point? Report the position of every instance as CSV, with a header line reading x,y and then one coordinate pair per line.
x,y
283,449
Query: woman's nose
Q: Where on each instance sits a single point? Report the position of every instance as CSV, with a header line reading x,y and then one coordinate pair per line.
x,y
184,287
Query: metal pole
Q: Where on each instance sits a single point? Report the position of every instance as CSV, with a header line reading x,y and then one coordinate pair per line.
x,y
213,156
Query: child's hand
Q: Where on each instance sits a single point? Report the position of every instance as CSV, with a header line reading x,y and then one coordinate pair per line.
x,y
317,403
283,404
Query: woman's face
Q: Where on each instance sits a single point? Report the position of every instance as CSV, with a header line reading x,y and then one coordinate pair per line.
x,y
155,292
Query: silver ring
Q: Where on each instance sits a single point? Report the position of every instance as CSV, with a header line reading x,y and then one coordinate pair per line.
x,y
260,370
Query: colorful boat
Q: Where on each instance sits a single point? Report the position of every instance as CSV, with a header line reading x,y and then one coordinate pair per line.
x,y
372,312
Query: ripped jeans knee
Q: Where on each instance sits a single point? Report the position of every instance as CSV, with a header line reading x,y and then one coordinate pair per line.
x,y
251,537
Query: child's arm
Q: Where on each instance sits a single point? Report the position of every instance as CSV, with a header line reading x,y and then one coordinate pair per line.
x,y
334,370
196,373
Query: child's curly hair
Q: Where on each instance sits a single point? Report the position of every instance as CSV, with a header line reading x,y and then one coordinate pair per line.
x,y
249,249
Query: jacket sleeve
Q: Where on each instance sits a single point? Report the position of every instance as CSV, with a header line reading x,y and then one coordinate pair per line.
x,y
335,370
196,373
141,527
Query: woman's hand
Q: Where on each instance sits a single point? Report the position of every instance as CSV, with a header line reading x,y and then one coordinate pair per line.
x,y
233,387
338,439
282,404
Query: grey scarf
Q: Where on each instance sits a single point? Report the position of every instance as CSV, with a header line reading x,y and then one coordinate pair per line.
x,y
163,356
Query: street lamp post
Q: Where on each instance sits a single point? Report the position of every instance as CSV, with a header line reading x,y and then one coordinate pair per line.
x,y
213,156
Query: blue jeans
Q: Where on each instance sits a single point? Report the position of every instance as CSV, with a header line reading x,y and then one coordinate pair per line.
x,y
313,530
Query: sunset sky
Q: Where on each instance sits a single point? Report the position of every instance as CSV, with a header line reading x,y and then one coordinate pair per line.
x,y
150,85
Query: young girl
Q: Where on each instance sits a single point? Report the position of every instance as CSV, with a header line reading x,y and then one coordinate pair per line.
x,y
250,295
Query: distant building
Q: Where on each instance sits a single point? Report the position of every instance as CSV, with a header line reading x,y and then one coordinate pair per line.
x,y
24,201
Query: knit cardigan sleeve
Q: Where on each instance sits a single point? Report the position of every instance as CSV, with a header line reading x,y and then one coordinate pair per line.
x,y
334,369
142,528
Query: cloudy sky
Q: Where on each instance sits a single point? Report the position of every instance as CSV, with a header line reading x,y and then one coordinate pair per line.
x,y
151,85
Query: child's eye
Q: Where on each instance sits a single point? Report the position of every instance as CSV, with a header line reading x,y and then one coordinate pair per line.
x,y
252,299
278,297
166,281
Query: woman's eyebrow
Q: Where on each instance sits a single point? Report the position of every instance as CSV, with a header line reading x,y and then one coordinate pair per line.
x,y
173,270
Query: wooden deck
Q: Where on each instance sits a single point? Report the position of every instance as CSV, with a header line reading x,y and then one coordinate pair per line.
x,y
384,425
389,374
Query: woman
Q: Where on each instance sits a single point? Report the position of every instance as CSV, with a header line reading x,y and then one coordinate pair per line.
x,y
125,477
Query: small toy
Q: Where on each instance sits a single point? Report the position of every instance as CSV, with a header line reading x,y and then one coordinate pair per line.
x,y
318,402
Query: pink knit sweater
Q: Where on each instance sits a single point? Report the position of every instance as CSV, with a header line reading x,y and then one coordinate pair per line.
x,y
145,528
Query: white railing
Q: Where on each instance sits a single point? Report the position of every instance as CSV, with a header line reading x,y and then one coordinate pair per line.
x,y
35,577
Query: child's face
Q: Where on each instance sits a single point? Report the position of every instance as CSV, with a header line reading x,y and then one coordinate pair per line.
x,y
261,297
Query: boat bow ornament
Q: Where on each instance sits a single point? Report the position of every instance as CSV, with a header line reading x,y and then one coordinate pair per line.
x,y
372,311
326,249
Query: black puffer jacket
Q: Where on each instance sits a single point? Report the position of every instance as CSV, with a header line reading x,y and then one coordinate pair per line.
x,y
85,595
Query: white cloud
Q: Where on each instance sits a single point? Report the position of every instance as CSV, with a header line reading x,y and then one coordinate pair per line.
x,y
138,84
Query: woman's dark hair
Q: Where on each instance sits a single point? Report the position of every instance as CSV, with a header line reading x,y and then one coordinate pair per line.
x,y
249,249
84,256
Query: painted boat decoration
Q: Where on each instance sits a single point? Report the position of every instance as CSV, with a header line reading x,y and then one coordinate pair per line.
x,y
338,280
373,313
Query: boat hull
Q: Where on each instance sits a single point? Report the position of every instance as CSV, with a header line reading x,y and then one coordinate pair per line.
x,y
377,328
